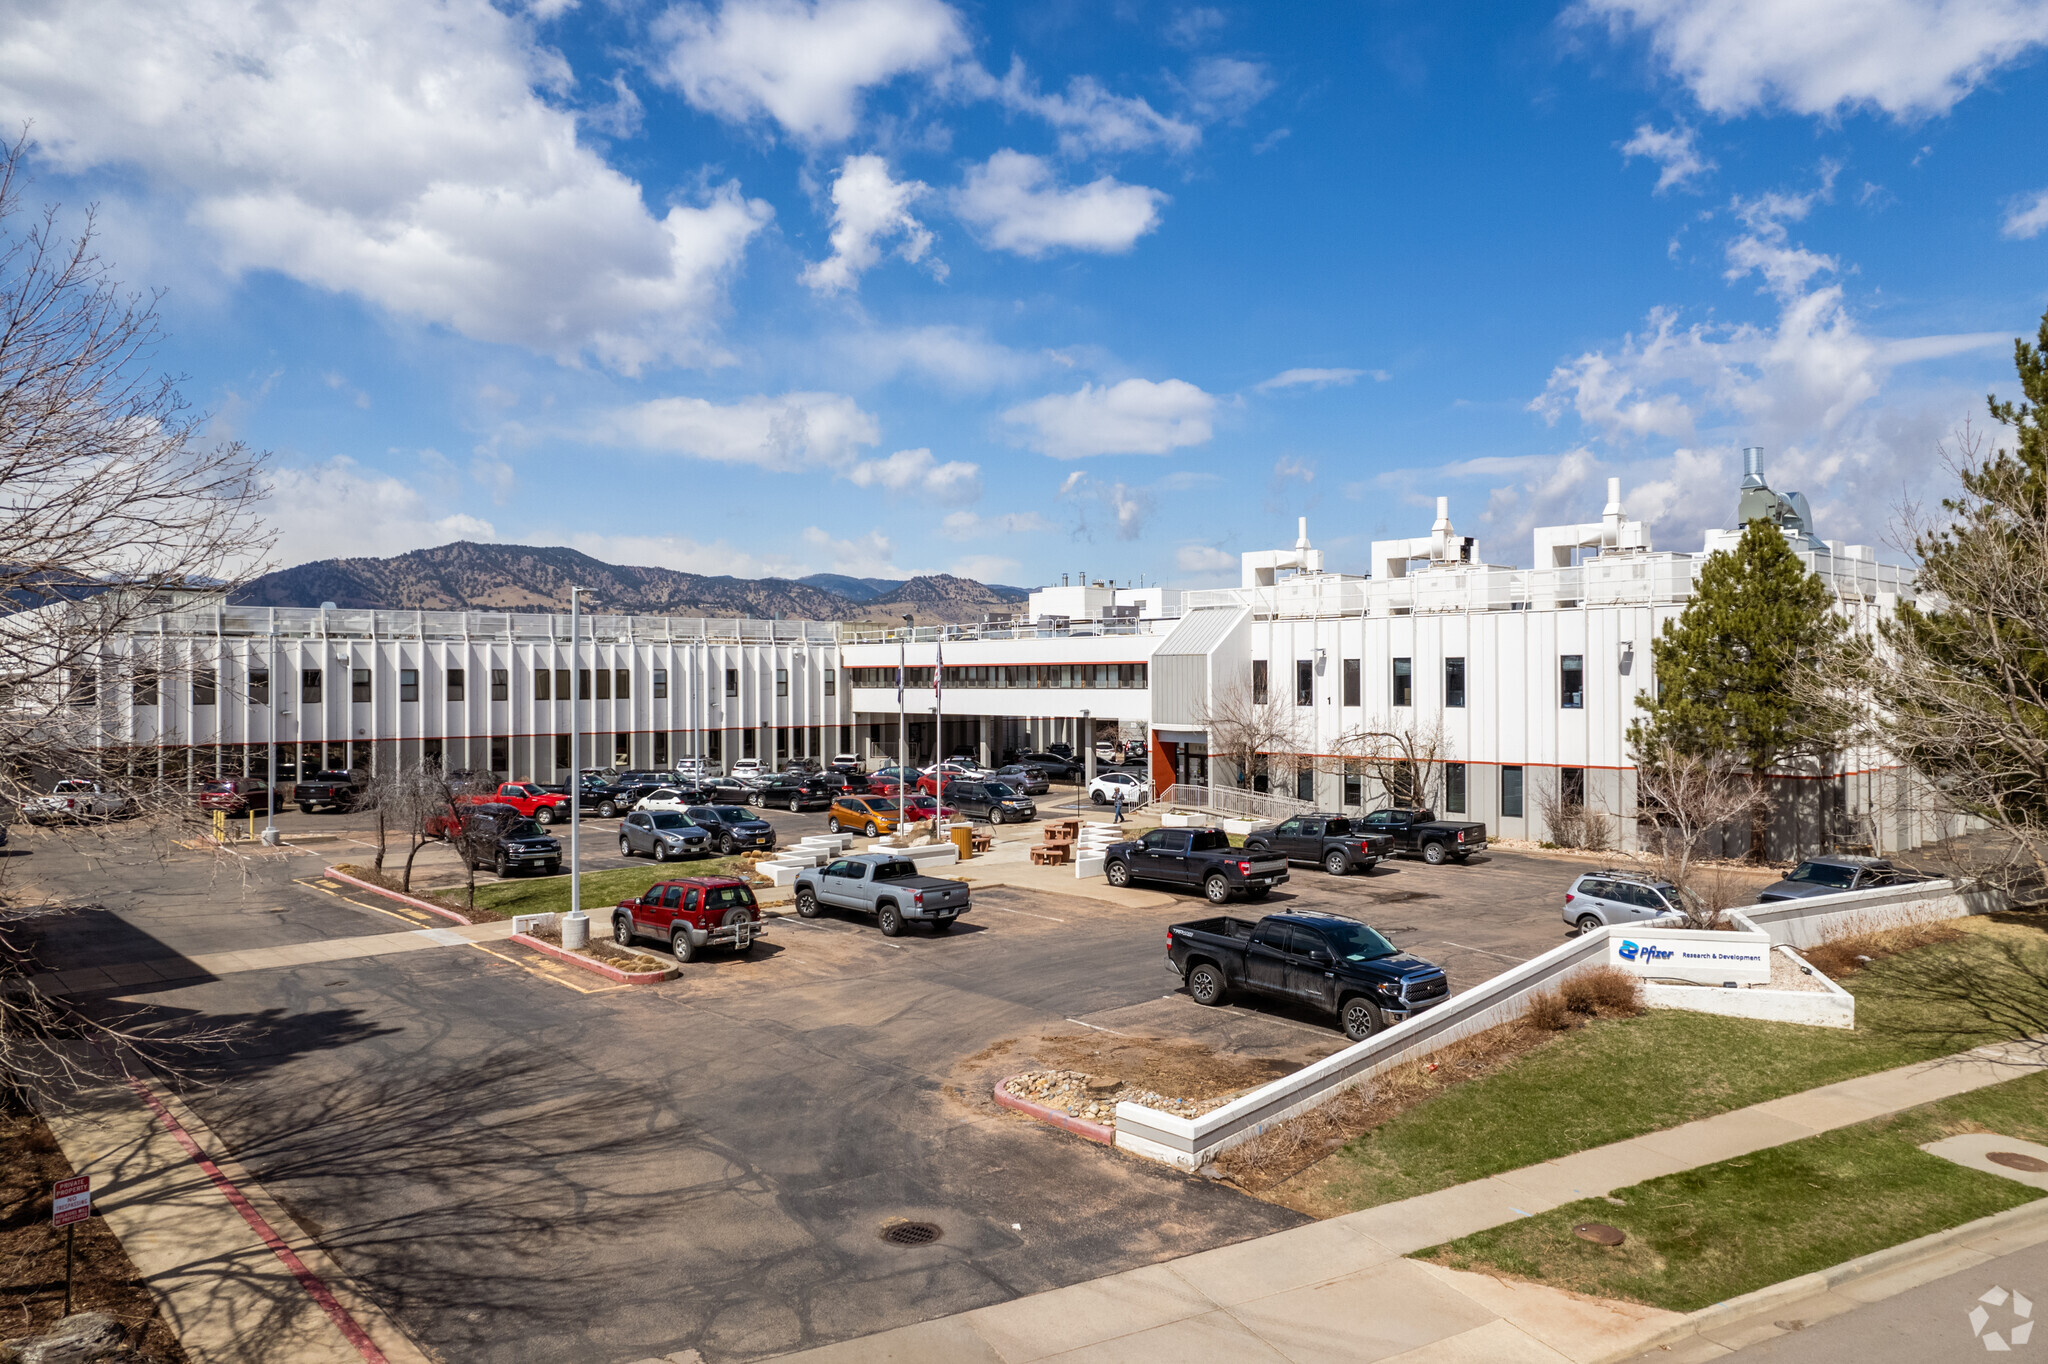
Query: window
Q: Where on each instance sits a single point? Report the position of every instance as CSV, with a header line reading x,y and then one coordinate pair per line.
x,y
561,684
622,750
831,681
1511,793
782,744
782,681
501,685
1305,785
145,686
1571,681
1351,684
661,684
604,684
747,743
309,686
622,688
661,749
732,681
542,691
408,684
583,684
1354,791
1404,681
259,686
561,752
501,756
1454,682
205,689
1304,682
1258,681
457,680
714,746
430,753
359,684
85,687
1571,786
1454,788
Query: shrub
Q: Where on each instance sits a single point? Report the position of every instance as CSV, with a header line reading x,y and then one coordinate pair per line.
x,y
1548,1011
1604,991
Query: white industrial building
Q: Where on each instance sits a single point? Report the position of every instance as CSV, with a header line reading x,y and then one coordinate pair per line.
x,y
1532,674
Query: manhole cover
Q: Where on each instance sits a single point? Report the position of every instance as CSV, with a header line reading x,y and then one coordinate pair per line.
x,y
1599,1233
2017,1160
910,1233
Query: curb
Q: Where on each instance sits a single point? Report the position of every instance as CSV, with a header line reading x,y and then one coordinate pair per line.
x,y
2029,1216
394,895
589,964
1080,1127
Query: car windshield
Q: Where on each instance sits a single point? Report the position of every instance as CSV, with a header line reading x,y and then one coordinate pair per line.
x,y
1001,790
732,814
522,828
669,819
218,786
1823,874
1355,942
330,776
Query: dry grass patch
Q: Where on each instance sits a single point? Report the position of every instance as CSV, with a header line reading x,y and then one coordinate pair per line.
x,y
604,950
1850,950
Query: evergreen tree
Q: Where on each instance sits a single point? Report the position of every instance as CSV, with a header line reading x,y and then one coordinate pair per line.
x,y
1756,619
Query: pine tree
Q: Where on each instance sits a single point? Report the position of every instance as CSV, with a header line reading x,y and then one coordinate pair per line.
x,y
1756,619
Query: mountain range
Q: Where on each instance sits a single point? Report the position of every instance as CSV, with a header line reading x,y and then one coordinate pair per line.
x,y
468,576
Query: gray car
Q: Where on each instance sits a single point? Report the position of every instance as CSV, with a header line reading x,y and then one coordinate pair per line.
x,y
1602,898
1832,876
662,835
1026,777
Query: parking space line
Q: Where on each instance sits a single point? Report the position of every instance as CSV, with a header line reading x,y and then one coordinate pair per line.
x,y
1050,918
1504,956
1099,1028
548,975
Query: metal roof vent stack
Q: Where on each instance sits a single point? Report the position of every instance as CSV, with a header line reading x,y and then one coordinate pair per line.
x,y
1752,466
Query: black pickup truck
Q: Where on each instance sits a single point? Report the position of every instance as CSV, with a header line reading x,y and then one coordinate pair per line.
x,y
1337,842
339,789
1195,857
1438,840
1324,961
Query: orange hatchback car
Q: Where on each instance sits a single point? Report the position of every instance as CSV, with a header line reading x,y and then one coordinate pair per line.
x,y
870,816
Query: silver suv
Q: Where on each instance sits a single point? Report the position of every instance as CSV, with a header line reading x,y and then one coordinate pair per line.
x,y
662,834
1600,898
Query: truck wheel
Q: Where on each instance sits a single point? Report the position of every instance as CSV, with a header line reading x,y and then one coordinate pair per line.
x,y
544,815
1590,923
832,824
501,867
806,904
795,805
305,809
625,848
995,816
607,809
890,918
1336,864
679,945
1360,1018
1205,984
1459,858
941,926
551,868
1366,866
622,929
1217,889
1119,873
1256,892
871,830
1434,854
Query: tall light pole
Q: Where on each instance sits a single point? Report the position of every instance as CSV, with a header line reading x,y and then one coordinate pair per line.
x,y
575,771
270,836
902,724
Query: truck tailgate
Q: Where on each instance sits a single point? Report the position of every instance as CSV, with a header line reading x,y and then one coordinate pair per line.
x,y
944,894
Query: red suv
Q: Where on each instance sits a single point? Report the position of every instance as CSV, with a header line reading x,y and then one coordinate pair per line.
x,y
691,915
542,807
236,796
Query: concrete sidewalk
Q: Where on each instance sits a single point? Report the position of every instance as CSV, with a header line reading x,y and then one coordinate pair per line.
x,y
129,975
1340,1290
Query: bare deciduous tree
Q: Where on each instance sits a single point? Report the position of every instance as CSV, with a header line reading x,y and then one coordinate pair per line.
x,y
1406,761
1245,732
1684,799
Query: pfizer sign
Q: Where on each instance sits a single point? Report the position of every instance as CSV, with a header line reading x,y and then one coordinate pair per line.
x,y
1703,956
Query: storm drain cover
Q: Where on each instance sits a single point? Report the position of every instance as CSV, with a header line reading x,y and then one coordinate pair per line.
x,y
910,1233
2017,1160
1599,1233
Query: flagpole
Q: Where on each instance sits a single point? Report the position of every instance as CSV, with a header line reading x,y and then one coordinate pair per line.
x,y
902,727
939,725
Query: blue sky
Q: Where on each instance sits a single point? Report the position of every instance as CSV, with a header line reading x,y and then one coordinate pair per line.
x,y
897,286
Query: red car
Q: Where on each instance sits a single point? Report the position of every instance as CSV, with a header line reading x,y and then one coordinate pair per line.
x,y
691,915
542,807
928,782
920,807
236,796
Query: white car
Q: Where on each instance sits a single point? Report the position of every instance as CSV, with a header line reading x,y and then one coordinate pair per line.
x,y
747,768
73,799
1105,789
661,798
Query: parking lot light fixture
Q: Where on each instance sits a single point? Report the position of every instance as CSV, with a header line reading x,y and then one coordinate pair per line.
x,y
575,913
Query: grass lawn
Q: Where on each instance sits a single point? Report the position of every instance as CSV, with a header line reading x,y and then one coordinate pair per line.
x,y
601,890
1706,1235
1613,1079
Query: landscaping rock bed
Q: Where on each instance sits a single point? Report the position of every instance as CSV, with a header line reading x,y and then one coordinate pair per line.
x,y
1093,1098
604,950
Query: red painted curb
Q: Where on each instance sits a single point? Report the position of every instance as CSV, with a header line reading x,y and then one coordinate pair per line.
x,y
394,895
591,964
1080,1127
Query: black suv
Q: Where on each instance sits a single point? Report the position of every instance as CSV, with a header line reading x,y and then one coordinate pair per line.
x,y
997,802
337,788
499,837
791,791
732,828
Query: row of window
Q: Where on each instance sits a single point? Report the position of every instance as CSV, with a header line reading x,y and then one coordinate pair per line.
x,y
1571,682
1571,789
603,684
1002,676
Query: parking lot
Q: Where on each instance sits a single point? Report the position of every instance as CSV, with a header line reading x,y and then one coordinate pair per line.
x,y
521,1166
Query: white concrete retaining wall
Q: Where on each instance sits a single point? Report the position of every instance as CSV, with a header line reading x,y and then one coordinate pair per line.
x,y
1834,1008
1807,923
527,923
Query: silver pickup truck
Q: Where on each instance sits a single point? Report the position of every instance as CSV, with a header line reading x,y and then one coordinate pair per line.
x,y
885,885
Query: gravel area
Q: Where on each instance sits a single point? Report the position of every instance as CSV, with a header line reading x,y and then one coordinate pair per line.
x,y
1785,975
1095,1097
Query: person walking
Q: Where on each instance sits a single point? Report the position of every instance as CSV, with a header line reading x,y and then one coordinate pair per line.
x,y
1118,816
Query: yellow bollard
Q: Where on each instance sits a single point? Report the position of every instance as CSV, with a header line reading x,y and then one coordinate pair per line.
x,y
220,826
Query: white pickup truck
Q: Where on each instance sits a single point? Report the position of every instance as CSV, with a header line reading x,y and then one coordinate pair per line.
x,y
77,799
885,885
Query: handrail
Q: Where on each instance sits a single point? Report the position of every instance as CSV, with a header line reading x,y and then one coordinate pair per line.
x,y
1231,802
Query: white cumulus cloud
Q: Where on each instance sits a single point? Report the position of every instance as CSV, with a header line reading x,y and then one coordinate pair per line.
x,y
2026,217
411,152
868,208
1015,203
953,482
1312,378
1134,417
804,65
1675,150
860,556
1090,119
1226,87
787,432
339,508
1908,58
1204,559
